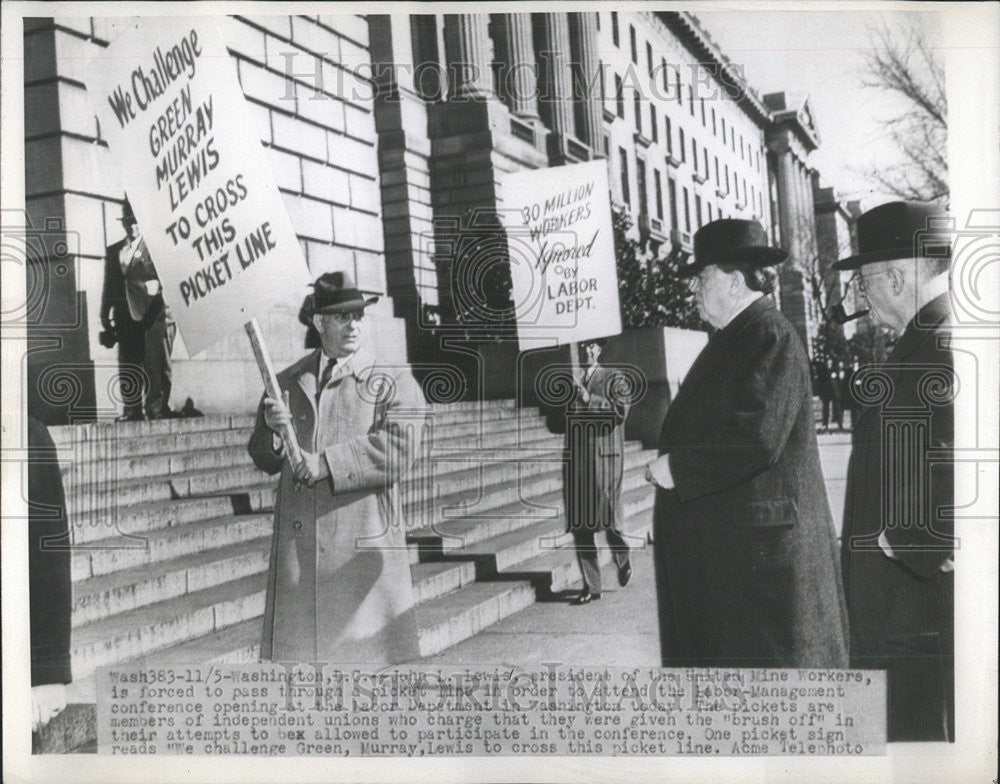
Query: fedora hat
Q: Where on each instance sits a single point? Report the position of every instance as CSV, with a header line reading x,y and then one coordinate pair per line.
x,y
732,241
127,214
900,230
334,292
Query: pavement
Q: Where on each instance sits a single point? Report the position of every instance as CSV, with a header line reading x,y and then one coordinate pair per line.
x,y
621,628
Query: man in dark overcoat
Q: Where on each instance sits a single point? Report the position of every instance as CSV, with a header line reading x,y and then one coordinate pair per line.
x,y
744,545
596,449
50,591
132,307
897,540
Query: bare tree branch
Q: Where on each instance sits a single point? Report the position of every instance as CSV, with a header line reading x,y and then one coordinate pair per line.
x,y
903,63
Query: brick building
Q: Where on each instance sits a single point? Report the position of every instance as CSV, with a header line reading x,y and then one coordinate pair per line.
x,y
387,136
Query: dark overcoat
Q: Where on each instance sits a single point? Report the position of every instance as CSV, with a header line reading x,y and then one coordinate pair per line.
x,y
744,546
339,587
901,480
50,596
595,439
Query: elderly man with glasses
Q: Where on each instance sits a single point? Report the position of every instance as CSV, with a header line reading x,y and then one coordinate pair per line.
x,y
340,589
897,541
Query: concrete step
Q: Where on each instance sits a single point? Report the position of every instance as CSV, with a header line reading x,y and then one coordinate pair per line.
x,y
433,580
555,568
452,535
133,634
128,456
113,594
448,620
115,470
64,435
119,553
89,529
480,498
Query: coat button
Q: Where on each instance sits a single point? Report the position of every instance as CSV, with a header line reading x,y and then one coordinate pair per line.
x,y
297,525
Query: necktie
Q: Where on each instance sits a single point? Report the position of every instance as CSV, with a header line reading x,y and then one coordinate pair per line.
x,y
324,378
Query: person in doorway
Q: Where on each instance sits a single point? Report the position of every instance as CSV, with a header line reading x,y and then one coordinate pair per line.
x,y
596,446
134,313
898,536
340,588
743,542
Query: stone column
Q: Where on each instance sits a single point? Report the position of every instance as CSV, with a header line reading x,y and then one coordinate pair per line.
x,y
556,77
520,91
588,74
467,48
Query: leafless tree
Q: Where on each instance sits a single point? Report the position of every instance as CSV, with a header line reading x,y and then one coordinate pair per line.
x,y
904,63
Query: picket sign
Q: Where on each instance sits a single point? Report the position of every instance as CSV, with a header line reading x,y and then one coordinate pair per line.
x,y
172,111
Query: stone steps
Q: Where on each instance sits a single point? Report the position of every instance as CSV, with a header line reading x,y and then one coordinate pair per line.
x,y
170,567
452,535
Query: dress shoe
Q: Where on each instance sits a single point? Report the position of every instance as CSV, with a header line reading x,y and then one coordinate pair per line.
x,y
624,574
586,597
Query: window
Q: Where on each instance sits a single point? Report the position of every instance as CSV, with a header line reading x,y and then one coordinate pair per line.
x,y
615,38
723,130
640,182
680,135
744,188
715,130
697,210
658,185
726,181
672,197
732,138
742,157
687,211
704,122
632,43
619,97
653,129
649,57
666,78
704,151
677,81
691,100
736,186
623,162
597,16
637,106
694,154
668,132
708,206
718,184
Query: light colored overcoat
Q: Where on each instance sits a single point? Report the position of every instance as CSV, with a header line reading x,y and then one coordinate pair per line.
x,y
340,589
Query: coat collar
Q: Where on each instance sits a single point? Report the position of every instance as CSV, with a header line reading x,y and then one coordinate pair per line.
x,y
923,325
360,364
717,348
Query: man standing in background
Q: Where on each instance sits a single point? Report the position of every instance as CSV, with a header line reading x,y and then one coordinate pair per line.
x,y
596,444
133,311
897,543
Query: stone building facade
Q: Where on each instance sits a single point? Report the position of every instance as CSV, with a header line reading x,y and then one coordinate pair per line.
x,y
388,136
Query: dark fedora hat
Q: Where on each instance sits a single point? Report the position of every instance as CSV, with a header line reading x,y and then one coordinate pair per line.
x,y
900,230
732,241
127,214
334,292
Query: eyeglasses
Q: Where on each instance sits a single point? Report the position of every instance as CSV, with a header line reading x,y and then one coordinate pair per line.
x,y
343,319
858,280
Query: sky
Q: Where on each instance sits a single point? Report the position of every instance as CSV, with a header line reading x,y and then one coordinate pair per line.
x,y
822,54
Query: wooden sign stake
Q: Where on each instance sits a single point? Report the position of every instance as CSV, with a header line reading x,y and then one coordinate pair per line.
x,y
271,385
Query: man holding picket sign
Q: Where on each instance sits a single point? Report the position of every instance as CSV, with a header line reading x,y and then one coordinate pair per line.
x,y
340,588
226,253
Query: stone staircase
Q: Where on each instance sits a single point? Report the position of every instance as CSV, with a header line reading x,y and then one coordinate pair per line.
x,y
171,527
